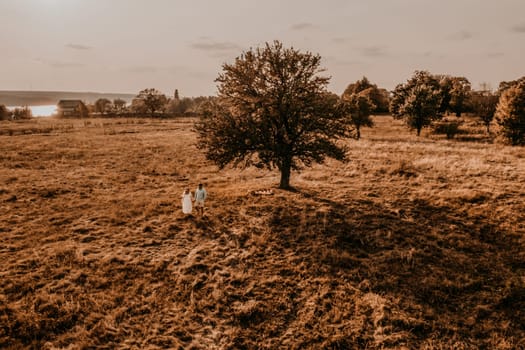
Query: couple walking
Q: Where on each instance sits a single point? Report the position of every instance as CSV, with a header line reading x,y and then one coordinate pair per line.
x,y
187,200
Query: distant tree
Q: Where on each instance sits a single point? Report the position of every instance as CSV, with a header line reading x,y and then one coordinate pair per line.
x,y
138,106
358,86
379,97
483,105
382,101
459,95
504,85
4,113
510,114
272,111
445,86
418,101
455,92
484,86
152,100
102,105
180,106
358,108
22,113
119,105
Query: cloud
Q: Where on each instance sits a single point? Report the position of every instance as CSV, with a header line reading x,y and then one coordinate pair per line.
x,y
520,28
207,44
59,64
141,69
78,46
342,62
374,51
341,40
495,54
462,35
302,26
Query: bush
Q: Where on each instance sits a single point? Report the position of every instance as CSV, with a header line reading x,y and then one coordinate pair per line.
x,y
22,113
449,128
4,113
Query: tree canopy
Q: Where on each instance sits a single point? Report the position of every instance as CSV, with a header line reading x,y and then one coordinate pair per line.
x,y
358,107
418,101
455,92
510,114
379,97
273,110
483,104
102,105
151,100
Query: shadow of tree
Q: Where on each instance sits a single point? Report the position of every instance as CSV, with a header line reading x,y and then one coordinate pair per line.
x,y
457,274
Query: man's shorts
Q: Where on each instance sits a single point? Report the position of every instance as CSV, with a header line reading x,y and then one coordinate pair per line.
x,y
199,203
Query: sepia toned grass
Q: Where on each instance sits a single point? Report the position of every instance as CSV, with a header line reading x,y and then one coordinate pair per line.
x,y
415,243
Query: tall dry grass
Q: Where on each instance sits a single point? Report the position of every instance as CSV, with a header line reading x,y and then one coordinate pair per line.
x,y
416,243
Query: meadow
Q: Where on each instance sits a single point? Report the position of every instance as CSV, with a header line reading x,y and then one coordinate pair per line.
x,y
414,243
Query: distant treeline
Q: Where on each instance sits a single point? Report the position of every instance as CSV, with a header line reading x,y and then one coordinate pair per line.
x,y
150,103
39,98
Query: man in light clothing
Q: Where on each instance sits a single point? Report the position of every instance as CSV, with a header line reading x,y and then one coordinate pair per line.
x,y
200,196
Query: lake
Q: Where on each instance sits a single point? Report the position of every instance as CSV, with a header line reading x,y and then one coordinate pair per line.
x,y
39,111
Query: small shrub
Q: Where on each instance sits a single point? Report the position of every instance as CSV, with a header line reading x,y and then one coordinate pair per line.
x,y
22,113
449,128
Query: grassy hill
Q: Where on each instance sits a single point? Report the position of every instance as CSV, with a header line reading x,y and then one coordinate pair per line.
x,y
40,98
416,243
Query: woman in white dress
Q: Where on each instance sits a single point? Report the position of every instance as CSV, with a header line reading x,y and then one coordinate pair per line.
x,y
186,201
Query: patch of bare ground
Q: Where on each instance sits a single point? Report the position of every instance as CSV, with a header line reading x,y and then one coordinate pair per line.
x,y
416,243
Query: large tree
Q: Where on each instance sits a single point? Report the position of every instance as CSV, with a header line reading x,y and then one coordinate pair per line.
x,y
152,100
510,114
273,110
418,101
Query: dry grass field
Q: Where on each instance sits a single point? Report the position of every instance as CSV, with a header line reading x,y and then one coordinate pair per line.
x,y
415,243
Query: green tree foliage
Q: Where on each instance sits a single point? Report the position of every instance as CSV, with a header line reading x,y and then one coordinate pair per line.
x,y
510,114
483,105
379,97
418,101
272,111
358,108
102,105
150,100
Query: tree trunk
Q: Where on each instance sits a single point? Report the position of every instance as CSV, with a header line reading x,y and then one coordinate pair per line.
x,y
285,168
358,133
418,130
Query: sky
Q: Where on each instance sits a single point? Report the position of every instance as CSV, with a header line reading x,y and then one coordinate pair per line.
x,y
125,46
